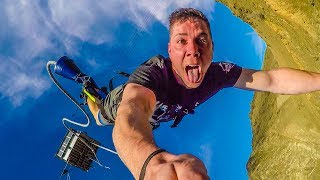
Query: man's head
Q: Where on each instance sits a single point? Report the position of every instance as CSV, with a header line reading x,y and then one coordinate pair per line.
x,y
190,48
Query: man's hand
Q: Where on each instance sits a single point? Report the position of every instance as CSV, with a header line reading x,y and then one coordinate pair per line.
x,y
166,166
93,107
133,139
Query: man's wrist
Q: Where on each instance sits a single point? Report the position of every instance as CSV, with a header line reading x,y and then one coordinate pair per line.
x,y
146,162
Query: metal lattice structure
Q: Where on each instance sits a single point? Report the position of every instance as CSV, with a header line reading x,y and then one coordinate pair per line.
x,y
78,149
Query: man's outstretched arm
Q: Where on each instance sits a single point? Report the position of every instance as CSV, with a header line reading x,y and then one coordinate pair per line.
x,y
133,139
132,134
282,81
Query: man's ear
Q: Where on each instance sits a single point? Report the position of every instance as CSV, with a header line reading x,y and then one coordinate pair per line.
x,y
169,49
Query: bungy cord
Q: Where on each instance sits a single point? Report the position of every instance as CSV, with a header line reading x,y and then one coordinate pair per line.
x,y
76,123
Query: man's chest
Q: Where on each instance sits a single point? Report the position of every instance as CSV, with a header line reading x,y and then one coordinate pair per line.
x,y
175,105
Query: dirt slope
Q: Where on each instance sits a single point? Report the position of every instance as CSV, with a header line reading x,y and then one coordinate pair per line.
x,y
286,129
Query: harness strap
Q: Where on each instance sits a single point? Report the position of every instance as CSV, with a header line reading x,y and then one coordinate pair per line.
x,y
124,74
179,118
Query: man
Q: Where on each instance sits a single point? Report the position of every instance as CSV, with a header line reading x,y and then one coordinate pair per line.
x,y
167,89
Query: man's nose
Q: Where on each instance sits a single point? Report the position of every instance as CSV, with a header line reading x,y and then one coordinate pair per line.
x,y
193,50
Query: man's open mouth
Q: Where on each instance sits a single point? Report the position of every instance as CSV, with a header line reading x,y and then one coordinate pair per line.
x,y
193,73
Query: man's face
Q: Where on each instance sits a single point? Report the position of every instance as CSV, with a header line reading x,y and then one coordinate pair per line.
x,y
190,50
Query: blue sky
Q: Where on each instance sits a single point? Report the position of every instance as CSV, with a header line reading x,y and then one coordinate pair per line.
x,y
103,36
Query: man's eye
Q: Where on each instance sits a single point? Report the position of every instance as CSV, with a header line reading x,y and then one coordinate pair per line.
x,y
202,41
181,41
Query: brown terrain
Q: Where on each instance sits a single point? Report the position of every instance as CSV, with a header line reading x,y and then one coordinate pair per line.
x,y
286,128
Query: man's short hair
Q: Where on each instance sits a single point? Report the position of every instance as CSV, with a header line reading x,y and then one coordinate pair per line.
x,y
184,14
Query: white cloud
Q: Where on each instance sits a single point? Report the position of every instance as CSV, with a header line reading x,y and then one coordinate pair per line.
x,y
259,44
27,23
20,82
206,154
25,39
160,10
87,20
34,29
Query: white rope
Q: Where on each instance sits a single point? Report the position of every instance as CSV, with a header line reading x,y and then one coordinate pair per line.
x,y
69,96
76,123
107,149
67,172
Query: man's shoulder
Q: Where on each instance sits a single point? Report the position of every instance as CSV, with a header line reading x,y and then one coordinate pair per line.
x,y
152,74
223,67
157,60
223,73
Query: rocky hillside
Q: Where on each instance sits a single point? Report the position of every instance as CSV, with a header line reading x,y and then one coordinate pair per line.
x,y
286,128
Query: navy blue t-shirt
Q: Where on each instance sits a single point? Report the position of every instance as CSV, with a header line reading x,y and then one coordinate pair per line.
x,y
173,101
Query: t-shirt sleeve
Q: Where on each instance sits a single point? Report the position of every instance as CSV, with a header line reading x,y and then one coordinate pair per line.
x,y
150,74
226,73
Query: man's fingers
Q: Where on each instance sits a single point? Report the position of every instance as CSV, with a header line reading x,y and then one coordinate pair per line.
x,y
165,171
182,167
191,168
170,173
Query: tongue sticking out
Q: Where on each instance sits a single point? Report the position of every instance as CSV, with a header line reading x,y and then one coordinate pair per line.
x,y
193,73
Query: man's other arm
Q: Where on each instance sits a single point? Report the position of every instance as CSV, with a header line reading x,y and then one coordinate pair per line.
x,y
281,80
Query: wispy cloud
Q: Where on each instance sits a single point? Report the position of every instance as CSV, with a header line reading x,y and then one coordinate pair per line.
x,y
207,154
95,20
161,9
21,81
259,44
24,39
35,30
